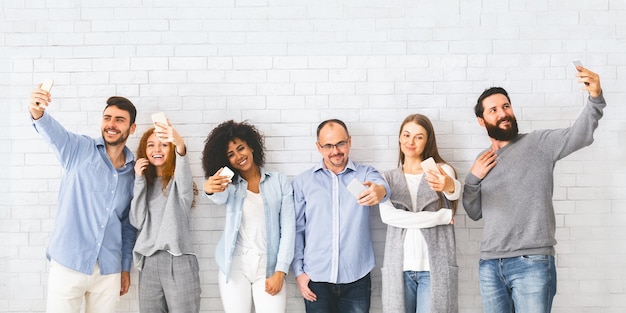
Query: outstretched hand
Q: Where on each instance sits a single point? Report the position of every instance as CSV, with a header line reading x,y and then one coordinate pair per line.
x,y
590,80
216,183
167,133
38,102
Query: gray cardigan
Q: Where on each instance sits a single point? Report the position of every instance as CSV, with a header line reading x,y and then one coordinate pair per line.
x,y
441,249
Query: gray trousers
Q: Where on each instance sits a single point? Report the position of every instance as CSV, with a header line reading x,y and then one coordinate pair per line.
x,y
169,283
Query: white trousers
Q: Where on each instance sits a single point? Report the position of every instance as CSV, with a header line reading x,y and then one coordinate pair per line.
x,y
247,284
68,288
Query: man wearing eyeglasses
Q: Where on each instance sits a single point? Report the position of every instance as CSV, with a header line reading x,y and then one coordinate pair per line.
x,y
334,254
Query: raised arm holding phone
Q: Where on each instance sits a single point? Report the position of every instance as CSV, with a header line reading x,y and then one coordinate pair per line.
x,y
510,187
92,237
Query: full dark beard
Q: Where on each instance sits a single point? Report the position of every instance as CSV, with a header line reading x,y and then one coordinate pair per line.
x,y
500,134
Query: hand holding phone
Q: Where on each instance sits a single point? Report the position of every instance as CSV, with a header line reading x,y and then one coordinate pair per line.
x,y
429,165
576,63
356,188
226,171
159,117
47,86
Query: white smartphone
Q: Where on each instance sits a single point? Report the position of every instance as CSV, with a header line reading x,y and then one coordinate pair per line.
x,y
47,86
159,117
355,187
227,172
576,63
429,165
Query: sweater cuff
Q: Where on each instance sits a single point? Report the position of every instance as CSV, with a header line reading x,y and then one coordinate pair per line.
x,y
471,179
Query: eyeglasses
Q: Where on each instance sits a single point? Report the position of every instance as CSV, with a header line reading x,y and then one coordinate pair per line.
x,y
340,145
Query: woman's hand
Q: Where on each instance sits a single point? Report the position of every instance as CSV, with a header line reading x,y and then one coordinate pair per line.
x,y
216,183
274,283
440,181
167,133
140,165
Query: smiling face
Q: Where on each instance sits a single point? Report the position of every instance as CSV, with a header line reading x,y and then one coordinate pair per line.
x,y
157,152
116,126
333,143
413,138
498,118
240,156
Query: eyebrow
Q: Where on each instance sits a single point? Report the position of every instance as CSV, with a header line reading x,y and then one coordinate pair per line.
x,y
236,147
116,117
407,131
342,140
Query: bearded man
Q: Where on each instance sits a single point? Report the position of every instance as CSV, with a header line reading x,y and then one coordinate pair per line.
x,y
510,187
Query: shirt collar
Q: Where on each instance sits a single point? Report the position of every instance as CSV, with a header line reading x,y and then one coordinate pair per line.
x,y
321,166
128,155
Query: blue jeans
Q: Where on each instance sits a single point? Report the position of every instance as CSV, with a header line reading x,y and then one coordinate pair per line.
x,y
417,291
524,284
341,298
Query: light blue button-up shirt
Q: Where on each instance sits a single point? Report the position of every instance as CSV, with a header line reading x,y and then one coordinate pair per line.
x,y
277,197
92,222
333,242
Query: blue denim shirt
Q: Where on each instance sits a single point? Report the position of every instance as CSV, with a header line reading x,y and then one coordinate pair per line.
x,y
94,200
333,242
277,197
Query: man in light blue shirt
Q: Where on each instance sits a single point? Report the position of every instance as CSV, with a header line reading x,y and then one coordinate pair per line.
x,y
334,254
91,245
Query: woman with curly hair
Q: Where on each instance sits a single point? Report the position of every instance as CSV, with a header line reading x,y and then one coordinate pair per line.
x,y
419,270
164,190
256,248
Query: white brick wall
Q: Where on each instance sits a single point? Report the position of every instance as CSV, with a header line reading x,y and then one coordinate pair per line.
x,y
288,64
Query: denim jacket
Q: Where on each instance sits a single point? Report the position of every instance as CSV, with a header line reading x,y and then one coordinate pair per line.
x,y
277,195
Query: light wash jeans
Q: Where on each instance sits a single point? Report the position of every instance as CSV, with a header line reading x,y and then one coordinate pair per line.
x,y
523,284
417,291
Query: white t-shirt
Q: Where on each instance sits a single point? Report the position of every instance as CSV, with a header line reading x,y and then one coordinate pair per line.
x,y
252,233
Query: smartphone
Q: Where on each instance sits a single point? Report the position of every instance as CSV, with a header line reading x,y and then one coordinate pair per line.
x,y
159,117
227,172
429,165
356,188
47,86
576,63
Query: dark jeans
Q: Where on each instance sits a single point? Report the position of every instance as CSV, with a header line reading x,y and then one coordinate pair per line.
x,y
341,298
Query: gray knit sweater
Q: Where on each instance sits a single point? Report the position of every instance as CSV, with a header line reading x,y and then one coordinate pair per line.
x,y
162,218
515,198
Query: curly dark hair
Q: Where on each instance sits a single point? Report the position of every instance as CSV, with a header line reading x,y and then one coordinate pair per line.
x,y
216,145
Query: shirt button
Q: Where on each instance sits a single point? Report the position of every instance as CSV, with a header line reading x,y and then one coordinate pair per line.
x,y
101,226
